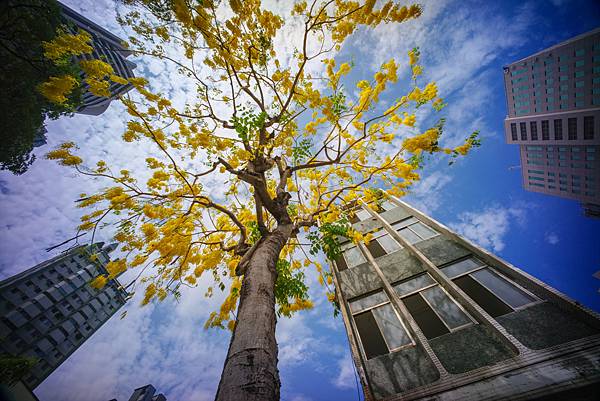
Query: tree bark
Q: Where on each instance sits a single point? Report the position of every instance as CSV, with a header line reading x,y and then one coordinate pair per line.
x,y
250,372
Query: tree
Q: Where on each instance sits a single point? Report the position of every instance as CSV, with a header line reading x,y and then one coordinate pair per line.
x,y
283,180
25,25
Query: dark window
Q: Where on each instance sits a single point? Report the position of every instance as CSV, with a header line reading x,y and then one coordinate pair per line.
x,y
523,127
545,130
513,131
558,131
488,301
340,262
428,321
376,249
588,127
572,127
533,128
371,338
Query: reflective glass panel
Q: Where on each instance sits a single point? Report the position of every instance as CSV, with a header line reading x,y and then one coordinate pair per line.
x,y
354,256
506,291
388,243
423,231
414,284
368,302
445,307
393,331
461,267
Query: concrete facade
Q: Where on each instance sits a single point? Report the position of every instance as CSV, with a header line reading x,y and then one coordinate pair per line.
x,y
107,47
434,317
49,310
553,103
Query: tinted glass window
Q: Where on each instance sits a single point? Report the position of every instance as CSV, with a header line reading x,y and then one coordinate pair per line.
x,y
393,331
483,297
510,294
452,315
370,336
428,321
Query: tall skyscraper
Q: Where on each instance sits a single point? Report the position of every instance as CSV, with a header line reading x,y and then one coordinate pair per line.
x,y
553,101
145,393
107,47
49,310
431,316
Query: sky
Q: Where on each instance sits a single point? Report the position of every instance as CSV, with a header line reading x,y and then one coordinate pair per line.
x,y
464,45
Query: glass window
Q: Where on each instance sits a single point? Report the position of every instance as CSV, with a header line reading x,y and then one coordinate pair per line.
x,y
379,327
579,52
579,74
513,131
588,127
446,309
368,302
572,128
523,128
533,129
545,130
362,214
354,257
558,129
388,243
512,295
579,84
414,284
409,235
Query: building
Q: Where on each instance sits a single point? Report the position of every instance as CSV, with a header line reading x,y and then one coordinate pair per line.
x,y
430,316
49,310
553,102
145,393
107,47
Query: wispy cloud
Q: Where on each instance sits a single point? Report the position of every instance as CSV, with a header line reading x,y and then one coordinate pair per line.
x,y
551,238
490,226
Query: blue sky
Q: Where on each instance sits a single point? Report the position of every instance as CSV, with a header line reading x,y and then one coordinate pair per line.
x,y
464,46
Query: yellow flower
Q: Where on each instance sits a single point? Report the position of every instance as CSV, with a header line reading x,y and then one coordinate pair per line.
x,y
57,89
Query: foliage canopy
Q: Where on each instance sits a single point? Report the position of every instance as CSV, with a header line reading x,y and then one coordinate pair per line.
x,y
287,135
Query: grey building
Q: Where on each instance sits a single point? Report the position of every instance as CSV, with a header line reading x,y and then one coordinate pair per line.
x,y
430,316
49,310
145,393
553,102
107,47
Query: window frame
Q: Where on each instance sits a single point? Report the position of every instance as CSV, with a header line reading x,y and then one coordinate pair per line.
x,y
483,265
355,327
428,286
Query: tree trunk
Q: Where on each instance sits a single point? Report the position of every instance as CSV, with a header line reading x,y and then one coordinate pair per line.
x,y
250,372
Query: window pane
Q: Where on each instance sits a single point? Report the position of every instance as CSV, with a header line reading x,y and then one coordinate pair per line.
x,y
414,284
445,307
370,336
354,256
390,325
340,262
488,301
376,249
368,302
388,205
404,223
428,321
388,243
363,214
506,291
461,267
409,235
423,231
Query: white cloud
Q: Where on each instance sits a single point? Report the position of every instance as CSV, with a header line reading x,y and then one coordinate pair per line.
x,y
426,195
346,378
490,226
551,238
